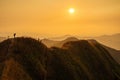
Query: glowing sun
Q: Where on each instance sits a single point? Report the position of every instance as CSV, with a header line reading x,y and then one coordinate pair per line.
x,y
71,10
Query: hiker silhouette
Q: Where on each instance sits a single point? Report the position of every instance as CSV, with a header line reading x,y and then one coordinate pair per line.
x,y
14,35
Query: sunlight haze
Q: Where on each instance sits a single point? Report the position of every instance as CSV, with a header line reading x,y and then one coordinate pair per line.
x,y
52,18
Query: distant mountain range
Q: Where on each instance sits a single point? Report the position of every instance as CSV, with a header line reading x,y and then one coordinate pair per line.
x,y
50,43
110,40
29,59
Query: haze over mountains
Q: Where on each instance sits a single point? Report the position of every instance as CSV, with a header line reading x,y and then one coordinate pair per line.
x,y
108,40
29,59
50,43
59,39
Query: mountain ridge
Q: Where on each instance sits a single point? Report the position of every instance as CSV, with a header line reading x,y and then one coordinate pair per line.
x,y
75,60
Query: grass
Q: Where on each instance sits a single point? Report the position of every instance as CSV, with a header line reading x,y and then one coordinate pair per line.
x,y
76,60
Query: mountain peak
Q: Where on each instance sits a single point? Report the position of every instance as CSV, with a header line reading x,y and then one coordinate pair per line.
x,y
29,59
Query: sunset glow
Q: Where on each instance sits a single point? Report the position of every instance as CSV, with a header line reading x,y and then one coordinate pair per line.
x,y
71,10
60,17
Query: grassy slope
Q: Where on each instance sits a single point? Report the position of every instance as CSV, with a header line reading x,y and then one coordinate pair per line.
x,y
77,60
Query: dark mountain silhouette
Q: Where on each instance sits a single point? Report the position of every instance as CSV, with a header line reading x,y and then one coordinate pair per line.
x,y
22,59
115,53
108,40
29,59
50,43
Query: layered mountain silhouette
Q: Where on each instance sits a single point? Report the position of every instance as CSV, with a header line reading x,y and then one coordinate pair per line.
x,y
51,43
29,59
114,53
110,40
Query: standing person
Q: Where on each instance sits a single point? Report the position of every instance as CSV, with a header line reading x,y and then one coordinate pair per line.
x,y
14,35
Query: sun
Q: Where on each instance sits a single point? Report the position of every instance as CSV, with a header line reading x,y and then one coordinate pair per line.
x,y
71,10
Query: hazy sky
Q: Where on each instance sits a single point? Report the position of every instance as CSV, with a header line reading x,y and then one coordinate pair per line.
x,y
51,17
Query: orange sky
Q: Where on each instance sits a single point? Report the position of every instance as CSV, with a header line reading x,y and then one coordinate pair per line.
x,y
51,17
